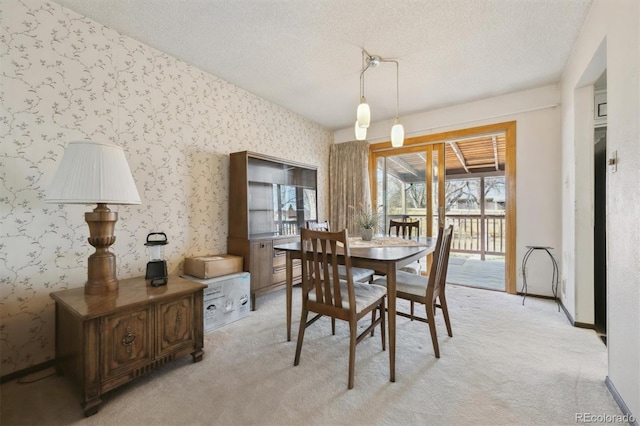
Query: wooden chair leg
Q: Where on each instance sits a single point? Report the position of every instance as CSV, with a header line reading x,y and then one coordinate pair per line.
x,y
412,310
373,319
353,333
303,326
445,313
333,326
383,326
432,328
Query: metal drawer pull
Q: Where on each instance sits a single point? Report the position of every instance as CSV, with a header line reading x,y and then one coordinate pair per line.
x,y
128,339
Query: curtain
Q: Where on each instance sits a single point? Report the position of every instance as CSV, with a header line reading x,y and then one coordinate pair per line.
x,y
348,183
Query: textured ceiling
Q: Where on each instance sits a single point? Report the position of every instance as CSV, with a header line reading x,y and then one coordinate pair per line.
x,y
306,55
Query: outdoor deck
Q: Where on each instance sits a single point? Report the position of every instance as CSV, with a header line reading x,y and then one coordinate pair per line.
x,y
487,274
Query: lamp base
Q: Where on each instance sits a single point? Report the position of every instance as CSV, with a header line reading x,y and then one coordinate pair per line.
x,y
101,271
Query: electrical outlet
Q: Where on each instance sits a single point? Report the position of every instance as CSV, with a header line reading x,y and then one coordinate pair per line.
x,y
564,286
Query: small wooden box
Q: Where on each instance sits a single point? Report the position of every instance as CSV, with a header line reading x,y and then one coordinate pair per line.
x,y
212,266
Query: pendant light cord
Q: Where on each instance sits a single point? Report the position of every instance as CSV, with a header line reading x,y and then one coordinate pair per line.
x,y
397,84
397,90
364,68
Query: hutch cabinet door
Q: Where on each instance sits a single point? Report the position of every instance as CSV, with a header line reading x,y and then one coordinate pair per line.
x,y
127,341
261,264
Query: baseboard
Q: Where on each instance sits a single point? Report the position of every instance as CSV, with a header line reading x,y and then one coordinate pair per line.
x,y
628,415
572,321
26,371
584,325
538,296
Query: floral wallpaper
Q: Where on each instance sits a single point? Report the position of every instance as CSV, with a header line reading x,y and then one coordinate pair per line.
x,y
64,77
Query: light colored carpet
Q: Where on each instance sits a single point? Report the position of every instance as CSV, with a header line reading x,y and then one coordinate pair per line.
x,y
506,364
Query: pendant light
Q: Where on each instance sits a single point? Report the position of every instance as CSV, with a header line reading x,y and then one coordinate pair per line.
x,y
397,134
363,113
397,131
361,132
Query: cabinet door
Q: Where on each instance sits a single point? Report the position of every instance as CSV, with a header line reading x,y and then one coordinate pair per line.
x,y
126,341
175,325
261,264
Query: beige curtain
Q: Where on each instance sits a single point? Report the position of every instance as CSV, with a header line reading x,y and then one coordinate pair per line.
x,y
348,182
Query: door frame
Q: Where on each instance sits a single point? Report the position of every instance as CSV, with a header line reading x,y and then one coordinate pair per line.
x,y
509,129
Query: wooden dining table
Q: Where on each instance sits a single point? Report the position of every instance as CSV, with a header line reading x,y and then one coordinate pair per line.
x,y
385,255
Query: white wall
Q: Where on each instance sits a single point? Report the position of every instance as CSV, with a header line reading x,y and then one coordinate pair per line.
x,y
538,184
611,28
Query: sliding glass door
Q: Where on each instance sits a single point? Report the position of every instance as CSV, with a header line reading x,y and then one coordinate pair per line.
x,y
409,183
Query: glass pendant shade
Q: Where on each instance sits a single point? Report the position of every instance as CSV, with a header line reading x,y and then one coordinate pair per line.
x,y
361,132
363,114
397,134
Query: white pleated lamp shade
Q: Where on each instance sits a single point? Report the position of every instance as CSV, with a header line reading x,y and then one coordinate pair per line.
x,y
93,173
363,114
361,132
397,134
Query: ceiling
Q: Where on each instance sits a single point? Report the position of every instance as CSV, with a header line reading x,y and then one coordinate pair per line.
x,y
306,55
463,158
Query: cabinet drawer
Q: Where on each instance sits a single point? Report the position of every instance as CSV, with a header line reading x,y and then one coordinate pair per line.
x,y
279,258
127,341
280,274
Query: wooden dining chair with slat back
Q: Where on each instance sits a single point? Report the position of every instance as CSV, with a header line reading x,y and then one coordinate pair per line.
x,y
361,275
406,229
428,291
324,293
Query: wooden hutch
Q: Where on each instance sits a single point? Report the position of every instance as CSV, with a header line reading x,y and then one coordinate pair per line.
x,y
270,199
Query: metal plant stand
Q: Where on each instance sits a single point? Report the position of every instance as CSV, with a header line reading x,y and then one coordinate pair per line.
x,y
554,279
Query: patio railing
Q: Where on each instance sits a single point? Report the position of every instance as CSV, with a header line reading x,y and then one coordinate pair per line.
x,y
472,234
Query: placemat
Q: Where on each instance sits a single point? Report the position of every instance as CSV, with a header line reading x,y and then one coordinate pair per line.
x,y
383,242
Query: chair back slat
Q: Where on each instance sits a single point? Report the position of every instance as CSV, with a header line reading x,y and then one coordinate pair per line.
x,y
404,229
438,274
320,267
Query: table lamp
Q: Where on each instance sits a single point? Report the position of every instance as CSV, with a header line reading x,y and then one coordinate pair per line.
x,y
96,172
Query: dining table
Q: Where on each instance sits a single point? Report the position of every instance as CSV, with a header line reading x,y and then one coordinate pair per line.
x,y
384,254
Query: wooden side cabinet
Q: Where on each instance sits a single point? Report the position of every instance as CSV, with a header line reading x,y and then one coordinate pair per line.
x,y
104,341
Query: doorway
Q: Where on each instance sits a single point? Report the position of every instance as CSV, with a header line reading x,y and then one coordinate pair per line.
x,y
600,232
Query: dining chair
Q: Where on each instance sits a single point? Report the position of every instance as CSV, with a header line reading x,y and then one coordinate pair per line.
x,y
325,294
428,291
405,229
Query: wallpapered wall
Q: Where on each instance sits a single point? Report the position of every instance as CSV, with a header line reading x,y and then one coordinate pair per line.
x,y
64,77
